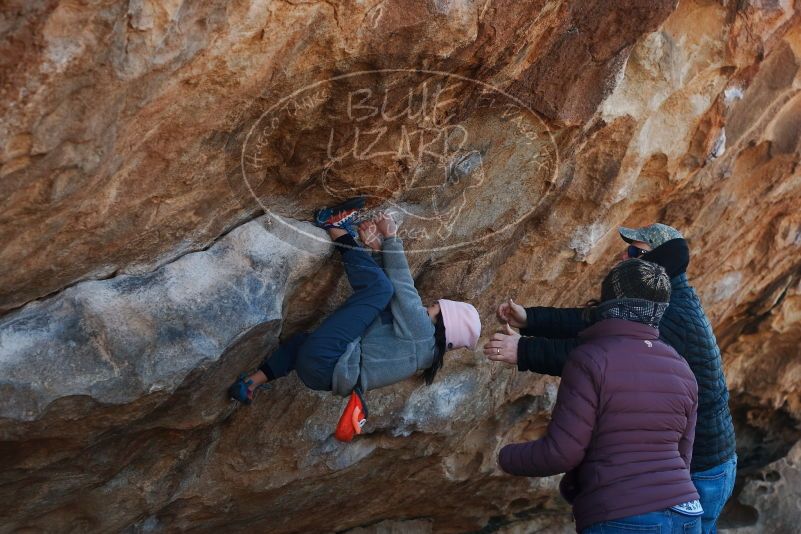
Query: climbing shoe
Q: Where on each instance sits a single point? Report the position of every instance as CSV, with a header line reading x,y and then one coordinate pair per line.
x,y
344,215
240,390
353,418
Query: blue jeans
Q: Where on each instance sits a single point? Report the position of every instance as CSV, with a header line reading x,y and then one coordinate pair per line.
x,y
661,522
314,356
715,486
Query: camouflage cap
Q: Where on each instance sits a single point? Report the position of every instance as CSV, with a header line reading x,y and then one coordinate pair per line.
x,y
654,235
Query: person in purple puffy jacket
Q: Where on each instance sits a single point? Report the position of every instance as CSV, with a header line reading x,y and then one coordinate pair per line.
x,y
624,421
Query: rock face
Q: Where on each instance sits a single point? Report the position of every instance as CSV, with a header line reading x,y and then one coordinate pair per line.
x,y
127,337
776,492
160,161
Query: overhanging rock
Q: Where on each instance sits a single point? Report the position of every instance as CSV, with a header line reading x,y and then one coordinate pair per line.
x,y
119,339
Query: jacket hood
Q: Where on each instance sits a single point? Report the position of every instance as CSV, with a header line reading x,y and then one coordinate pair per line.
x,y
673,255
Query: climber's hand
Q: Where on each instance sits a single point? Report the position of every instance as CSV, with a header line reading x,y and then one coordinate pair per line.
x,y
386,224
512,313
368,233
502,346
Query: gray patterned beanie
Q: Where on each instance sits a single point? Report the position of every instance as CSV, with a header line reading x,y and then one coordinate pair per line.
x,y
635,290
636,279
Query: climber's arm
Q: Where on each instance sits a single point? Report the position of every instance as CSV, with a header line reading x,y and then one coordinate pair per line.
x,y
411,317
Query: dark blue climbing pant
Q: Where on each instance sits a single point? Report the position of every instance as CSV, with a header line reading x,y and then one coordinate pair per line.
x,y
314,355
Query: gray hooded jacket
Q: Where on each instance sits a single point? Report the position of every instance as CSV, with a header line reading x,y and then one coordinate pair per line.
x,y
398,343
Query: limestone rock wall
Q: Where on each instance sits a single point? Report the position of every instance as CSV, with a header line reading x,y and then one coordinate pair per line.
x,y
774,491
160,160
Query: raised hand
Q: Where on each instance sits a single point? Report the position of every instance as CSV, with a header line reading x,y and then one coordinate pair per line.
x,y
386,224
502,346
369,235
512,313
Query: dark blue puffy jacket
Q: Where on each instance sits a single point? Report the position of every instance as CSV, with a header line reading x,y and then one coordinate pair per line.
x,y
684,326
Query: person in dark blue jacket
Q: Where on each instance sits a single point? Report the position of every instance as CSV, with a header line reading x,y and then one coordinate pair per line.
x,y
549,334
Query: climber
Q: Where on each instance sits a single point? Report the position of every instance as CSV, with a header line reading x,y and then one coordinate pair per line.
x,y
624,420
380,335
684,326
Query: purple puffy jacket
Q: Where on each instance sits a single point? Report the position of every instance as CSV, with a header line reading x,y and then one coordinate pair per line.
x,y
623,426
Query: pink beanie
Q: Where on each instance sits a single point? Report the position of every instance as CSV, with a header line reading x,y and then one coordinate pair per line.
x,y
462,324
